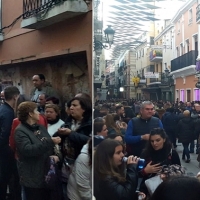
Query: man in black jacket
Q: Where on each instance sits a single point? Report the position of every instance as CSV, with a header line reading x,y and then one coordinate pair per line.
x,y
7,115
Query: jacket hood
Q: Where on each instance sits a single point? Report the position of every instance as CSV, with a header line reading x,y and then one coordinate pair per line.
x,y
85,149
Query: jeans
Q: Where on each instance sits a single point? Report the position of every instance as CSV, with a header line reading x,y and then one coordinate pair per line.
x,y
192,146
186,151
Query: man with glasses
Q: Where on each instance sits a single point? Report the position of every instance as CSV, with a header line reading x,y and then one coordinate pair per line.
x,y
138,129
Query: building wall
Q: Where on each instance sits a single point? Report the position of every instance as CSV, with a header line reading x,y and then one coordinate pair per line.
x,y
186,29
48,50
186,84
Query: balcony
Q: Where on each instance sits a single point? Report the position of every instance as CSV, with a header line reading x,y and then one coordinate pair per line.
x,y
41,13
185,60
153,80
156,55
198,14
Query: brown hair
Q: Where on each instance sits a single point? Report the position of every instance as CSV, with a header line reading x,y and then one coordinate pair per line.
x,y
110,123
24,109
53,106
104,164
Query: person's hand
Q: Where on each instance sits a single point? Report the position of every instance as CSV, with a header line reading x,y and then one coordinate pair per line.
x,y
141,195
151,169
145,137
56,159
124,125
133,160
64,131
56,140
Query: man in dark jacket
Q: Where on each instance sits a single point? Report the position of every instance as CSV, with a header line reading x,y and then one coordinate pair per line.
x,y
138,129
170,121
7,115
185,133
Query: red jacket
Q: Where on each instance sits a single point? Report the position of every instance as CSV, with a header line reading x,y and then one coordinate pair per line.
x,y
15,123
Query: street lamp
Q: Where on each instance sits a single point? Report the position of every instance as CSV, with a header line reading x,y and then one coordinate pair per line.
x,y
109,36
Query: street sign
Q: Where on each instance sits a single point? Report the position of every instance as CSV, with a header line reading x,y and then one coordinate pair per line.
x,y
197,85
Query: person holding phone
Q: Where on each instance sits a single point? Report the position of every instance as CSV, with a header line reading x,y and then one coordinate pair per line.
x,y
113,178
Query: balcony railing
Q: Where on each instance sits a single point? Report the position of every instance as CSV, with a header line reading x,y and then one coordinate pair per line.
x,y
33,7
198,14
184,60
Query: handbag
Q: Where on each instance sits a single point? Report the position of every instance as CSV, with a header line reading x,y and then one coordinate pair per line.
x,y
152,183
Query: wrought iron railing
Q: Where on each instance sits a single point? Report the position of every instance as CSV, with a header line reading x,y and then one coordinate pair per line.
x,y
33,7
184,60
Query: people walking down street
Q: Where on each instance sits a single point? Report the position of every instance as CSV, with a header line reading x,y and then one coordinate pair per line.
x,y
113,178
138,130
170,121
157,153
186,134
34,147
80,180
7,114
41,87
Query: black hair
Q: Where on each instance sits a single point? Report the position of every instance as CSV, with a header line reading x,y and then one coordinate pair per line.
x,y
178,187
85,105
41,76
149,150
10,92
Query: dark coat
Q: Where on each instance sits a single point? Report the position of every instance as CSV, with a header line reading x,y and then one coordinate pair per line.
x,y
6,119
33,154
185,130
76,139
112,189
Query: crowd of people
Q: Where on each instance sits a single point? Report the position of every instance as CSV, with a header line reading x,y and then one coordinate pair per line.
x,y
44,156
135,144
121,149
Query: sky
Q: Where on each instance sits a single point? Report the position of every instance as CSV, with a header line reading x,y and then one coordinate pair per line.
x,y
167,11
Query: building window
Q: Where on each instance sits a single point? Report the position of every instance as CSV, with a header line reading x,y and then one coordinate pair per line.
x,y
177,52
177,95
179,26
182,95
196,95
188,95
190,16
187,47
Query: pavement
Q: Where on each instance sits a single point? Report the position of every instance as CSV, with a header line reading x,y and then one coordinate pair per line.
x,y
192,168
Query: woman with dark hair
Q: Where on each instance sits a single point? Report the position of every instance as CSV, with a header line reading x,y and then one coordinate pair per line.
x,y
157,153
111,180
80,180
100,130
34,147
75,133
178,187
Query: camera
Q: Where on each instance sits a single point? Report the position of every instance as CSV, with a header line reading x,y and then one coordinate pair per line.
x,y
140,165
